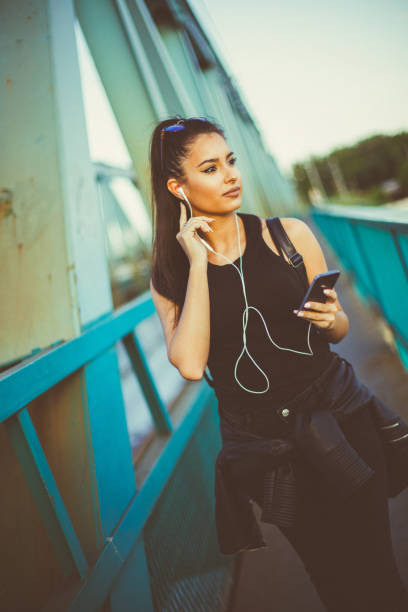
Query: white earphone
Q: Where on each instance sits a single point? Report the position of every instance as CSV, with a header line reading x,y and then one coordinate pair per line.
x,y
205,243
247,308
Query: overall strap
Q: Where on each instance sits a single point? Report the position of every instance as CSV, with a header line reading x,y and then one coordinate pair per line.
x,y
282,241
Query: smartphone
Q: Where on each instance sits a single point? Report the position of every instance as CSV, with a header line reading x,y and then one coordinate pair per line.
x,y
325,280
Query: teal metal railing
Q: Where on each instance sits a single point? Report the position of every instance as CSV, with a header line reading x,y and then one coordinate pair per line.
x,y
174,503
372,244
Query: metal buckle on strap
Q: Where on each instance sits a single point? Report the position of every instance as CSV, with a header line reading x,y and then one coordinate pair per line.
x,y
296,260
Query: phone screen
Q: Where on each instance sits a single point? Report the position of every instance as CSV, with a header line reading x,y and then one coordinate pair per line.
x,y
325,280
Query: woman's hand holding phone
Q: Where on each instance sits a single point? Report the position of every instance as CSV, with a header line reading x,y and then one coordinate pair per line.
x,y
321,314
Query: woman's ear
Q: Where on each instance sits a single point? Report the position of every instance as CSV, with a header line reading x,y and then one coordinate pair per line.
x,y
172,185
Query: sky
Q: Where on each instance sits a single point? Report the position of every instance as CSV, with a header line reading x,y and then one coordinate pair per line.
x,y
315,75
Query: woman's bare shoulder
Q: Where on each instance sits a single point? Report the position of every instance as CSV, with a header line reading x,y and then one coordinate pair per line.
x,y
291,225
304,241
292,228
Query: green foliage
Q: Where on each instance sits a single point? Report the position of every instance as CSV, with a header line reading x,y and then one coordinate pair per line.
x,y
358,171
403,175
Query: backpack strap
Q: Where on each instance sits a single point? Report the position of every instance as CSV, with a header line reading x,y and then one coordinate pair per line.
x,y
282,241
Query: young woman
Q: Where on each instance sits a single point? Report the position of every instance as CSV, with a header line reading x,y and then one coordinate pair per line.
x,y
229,303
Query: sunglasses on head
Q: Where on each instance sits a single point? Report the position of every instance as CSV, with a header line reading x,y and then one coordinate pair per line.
x,y
176,127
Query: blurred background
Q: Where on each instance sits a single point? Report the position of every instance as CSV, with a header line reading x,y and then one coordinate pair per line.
x,y
327,84
313,101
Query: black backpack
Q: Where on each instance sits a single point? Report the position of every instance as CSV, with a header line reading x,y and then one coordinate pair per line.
x,y
283,243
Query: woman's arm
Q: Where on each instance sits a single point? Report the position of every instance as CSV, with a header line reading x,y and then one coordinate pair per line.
x,y
188,343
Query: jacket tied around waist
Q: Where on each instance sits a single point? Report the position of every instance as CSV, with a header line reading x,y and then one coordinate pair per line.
x,y
314,437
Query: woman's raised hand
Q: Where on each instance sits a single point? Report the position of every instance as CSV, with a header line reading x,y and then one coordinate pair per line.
x,y
187,237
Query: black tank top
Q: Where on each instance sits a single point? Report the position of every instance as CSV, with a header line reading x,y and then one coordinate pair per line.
x,y
272,286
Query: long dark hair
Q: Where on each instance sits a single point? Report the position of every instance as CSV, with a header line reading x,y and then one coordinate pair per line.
x,y
169,263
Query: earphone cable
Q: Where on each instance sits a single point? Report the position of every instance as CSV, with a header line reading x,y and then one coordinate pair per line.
x,y
245,312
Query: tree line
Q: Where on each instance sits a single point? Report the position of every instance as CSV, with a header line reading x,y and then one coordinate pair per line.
x,y
374,170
